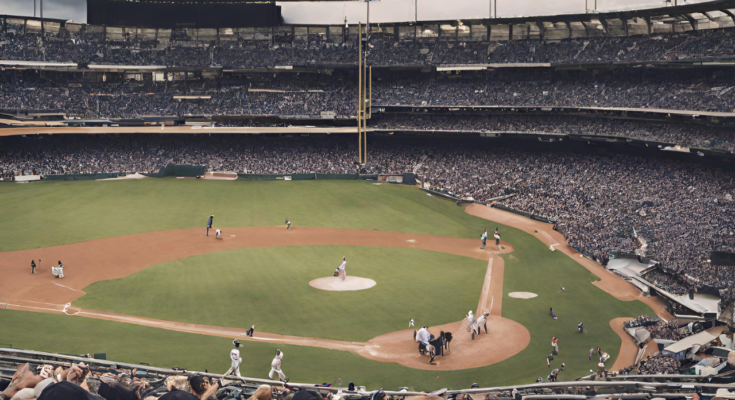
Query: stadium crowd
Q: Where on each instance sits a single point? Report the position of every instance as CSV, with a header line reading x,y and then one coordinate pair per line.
x,y
80,382
674,133
666,330
667,282
182,49
683,211
312,94
285,95
711,91
656,365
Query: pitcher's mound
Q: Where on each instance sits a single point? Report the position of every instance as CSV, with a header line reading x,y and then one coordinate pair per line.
x,y
522,295
335,284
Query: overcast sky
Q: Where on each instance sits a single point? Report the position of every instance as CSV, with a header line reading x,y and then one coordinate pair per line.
x,y
76,10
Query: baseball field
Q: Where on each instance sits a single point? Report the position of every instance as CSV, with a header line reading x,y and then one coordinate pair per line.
x,y
145,284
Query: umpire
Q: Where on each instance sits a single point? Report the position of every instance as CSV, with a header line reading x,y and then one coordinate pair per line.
x,y
209,223
33,267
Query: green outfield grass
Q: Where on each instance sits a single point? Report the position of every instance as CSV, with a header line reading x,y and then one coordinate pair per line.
x,y
269,287
52,213
49,213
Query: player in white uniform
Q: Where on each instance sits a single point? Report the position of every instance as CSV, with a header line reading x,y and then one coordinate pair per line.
x,y
470,321
218,234
479,324
276,367
342,269
236,360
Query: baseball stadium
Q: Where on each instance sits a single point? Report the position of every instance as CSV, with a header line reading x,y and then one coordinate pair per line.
x,y
382,199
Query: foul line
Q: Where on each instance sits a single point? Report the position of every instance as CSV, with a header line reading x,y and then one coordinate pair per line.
x,y
67,287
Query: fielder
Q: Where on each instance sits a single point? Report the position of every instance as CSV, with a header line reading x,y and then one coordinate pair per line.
x,y
484,238
341,270
235,360
276,367
209,223
218,234
497,237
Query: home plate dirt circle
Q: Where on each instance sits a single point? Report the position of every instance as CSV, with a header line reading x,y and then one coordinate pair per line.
x,y
335,284
522,295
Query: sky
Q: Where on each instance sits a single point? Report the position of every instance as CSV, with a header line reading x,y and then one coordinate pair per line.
x,y
76,10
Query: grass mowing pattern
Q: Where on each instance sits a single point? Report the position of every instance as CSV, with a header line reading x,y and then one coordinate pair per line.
x,y
51,213
269,287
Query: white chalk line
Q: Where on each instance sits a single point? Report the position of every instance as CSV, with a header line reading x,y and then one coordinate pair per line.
x,y
67,287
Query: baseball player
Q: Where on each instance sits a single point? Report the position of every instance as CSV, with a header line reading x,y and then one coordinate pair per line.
x,y
470,321
58,271
342,269
209,223
431,350
235,360
479,324
276,367
497,237
484,238
288,224
33,267
410,323
423,337
218,234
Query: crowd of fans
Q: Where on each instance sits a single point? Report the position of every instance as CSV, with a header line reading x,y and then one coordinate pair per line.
x,y
80,382
683,211
181,49
312,94
666,330
284,95
673,133
657,365
712,91
668,282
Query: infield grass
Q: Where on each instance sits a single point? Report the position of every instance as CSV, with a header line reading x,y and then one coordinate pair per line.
x,y
269,287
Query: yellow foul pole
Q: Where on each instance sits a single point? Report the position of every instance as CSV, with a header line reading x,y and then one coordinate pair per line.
x,y
359,91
